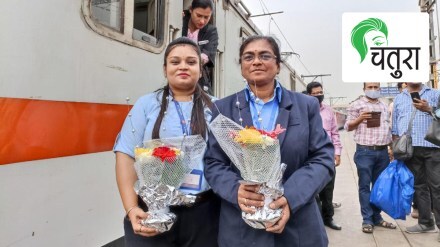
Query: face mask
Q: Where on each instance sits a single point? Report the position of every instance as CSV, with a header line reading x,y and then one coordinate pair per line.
x,y
320,98
372,94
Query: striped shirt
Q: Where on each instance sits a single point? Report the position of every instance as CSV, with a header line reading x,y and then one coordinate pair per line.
x,y
376,136
403,107
330,126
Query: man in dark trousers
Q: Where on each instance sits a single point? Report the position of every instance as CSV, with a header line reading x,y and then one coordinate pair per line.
x,y
329,123
416,102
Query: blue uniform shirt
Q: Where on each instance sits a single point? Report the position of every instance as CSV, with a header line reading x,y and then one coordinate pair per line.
x,y
143,117
268,110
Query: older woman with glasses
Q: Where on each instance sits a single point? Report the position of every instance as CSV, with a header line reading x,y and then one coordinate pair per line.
x,y
305,148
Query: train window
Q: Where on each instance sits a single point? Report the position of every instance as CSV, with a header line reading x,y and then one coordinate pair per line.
x,y
148,21
139,23
108,13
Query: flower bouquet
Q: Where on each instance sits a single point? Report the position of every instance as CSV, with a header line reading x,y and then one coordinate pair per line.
x,y
256,153
161,166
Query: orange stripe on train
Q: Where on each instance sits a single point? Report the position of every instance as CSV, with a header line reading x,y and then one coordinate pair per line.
x,y
41,129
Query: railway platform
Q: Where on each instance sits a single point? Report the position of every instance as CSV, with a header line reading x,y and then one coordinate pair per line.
x,y
349,215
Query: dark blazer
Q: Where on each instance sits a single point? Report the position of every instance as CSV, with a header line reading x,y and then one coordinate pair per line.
x,y
208,38
309,155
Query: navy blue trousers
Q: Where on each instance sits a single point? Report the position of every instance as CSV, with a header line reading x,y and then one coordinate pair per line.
x,y
370,164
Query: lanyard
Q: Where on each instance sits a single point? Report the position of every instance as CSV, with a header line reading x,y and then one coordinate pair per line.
x,y
270,123
183,124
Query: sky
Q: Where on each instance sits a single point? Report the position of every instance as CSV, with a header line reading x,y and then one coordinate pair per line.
x,y
313,28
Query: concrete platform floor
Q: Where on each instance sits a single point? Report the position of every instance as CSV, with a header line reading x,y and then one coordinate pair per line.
x,y
349,216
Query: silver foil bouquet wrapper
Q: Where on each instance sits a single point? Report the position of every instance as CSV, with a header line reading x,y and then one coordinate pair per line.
x,y
161,166
256,154
158,198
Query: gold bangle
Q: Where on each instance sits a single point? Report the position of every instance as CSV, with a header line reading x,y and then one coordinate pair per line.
x,y
128,211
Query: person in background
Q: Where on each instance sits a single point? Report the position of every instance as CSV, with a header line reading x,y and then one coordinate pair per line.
x,y
264,103
196,27
371,156
329,123
425,163
400,87
163,114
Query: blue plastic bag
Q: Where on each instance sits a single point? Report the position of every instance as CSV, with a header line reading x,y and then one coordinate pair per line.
x,y
393,190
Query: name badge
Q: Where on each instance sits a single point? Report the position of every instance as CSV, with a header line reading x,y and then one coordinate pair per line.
x,y
193,180
203,42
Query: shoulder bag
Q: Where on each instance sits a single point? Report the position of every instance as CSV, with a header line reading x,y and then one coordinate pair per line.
x,y
402,147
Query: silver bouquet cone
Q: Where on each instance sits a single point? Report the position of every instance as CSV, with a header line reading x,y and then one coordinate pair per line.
x,y
257,156
161,166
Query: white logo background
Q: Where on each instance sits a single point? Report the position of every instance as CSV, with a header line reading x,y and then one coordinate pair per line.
x,y
404,30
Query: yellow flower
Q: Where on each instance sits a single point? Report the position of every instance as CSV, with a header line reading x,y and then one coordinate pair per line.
x,y
177,151
249,136
143,151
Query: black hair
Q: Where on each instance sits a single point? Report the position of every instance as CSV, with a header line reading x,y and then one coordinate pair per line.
x,y
312,85
202,4
304,92
365,84
399,85
200,98
272,42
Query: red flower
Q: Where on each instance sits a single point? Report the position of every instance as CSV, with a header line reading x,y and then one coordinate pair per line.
x,y
274,133
165,153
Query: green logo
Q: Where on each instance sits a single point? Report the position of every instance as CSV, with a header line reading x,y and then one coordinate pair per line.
x,y
368,33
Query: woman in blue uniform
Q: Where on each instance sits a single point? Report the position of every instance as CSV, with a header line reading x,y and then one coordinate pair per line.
x,y
180,108
305,148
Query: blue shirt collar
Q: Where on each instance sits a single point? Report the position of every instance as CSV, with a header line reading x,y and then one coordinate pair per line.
x,y
424,88
277,93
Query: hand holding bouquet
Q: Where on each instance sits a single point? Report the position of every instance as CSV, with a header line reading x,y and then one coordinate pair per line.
x,y
161,166
256,153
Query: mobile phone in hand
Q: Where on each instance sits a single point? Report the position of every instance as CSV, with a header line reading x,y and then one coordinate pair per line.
x,y
415,95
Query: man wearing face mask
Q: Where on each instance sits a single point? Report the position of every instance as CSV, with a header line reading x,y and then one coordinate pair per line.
x,y
329,123
369,119
425,163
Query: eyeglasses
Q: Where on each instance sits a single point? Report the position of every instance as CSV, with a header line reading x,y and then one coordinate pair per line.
x,y
264,57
